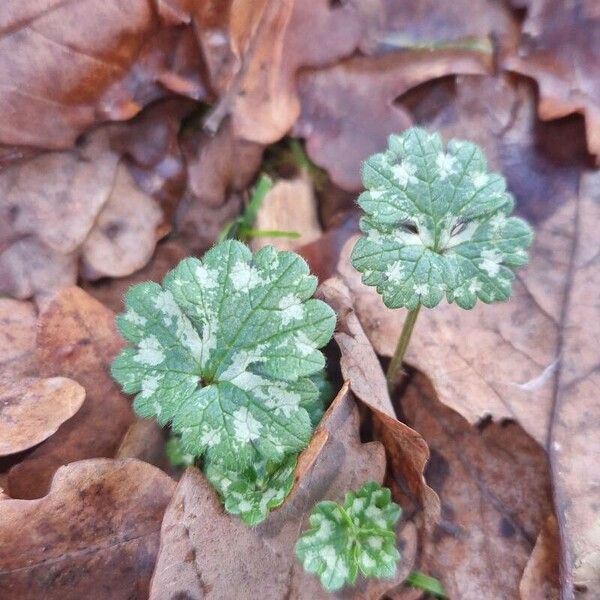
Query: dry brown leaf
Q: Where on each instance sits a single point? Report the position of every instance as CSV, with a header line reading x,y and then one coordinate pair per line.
x,y
95,535
290,205
270,39
218,164
67,66
125,233
17,338
559,49
32,409
145,440
540,578
77,338
407,451
206,553
59,205
111,292
494,487
342,127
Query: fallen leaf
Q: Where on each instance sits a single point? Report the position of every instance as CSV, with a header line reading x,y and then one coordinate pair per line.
x,y
220,163
269,45
125,232
145,440
540,578
95,534
290,205
77,338
111,292
17,338
558,48
69,66
407,451
342,127
32,409
494,486
206,553
60,205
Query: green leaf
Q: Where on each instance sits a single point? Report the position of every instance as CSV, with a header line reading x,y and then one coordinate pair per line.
x,y
358,536
177,457
437,223
253,492
225,350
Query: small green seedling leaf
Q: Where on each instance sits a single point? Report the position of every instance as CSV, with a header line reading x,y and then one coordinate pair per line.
x,y
177,457
253,492
437,223
225,350
356,536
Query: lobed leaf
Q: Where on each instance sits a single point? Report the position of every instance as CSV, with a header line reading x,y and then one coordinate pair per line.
x,y
356,536
253,492
437,223
225,350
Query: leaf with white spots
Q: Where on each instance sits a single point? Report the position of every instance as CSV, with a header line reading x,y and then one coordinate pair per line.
x,y
225,350
256,490
437,224
356,536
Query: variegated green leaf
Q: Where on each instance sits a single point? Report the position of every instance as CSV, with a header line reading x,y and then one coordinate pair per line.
x,y
356,536
225,349
437,223
256,490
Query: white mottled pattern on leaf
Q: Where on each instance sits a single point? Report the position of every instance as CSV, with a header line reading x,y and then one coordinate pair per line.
x,y
225,349
437,224
253,492
356,536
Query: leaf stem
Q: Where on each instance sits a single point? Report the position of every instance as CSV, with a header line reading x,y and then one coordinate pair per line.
x,y
394,372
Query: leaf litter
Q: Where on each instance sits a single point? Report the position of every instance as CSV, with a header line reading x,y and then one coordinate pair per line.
x,y
211,86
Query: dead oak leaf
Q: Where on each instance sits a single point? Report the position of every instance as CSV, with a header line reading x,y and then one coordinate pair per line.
x,y
342,128
77,338
269,45
558,49
17,338
540,577
95,534
32,409
206,553
407,451
494,487
66,66
62,206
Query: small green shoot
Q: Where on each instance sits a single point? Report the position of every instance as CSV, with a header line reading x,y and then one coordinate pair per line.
x,y
356,536
428,584
242,228
437,224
